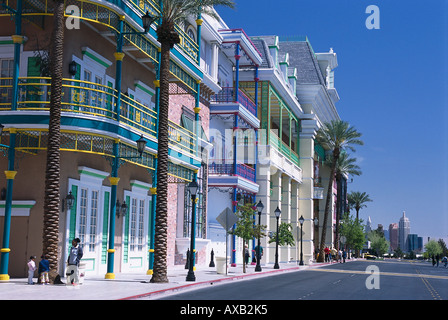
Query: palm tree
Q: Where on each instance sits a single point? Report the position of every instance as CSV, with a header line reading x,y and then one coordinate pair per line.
x,y
345,166
52,173
335,136
357,200
173,12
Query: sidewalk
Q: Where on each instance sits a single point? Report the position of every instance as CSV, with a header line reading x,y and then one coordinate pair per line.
x,y
136,286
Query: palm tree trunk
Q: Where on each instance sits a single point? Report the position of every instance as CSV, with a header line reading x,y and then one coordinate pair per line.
x,y
161,227
327,207
52,173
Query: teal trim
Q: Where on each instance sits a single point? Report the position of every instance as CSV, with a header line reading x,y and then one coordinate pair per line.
x,y
144,89
95,175
95,58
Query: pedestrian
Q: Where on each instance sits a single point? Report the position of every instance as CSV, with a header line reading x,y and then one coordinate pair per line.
x,y
340,256
437,260
327,252
44,268
445,261
433,260
246,254
31,268
74,257
261,251
344,255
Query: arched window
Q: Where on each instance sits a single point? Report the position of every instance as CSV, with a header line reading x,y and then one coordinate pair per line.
x,y
191,33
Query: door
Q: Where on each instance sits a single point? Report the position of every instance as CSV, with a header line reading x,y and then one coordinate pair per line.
x,y
135,253
88,227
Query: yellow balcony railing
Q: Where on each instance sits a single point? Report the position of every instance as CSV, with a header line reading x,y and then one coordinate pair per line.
x,y
92,99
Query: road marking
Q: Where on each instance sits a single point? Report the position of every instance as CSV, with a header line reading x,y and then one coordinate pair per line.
x,y
435,295
383,273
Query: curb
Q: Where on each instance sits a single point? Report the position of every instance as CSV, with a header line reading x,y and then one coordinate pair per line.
x,y
216,281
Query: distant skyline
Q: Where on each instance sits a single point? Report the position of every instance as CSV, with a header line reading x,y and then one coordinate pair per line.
x,y
392,83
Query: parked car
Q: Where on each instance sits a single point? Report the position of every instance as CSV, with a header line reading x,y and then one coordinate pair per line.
x,y
369,256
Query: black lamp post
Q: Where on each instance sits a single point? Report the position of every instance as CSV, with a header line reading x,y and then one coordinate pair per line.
x,y
193,188
260,207
277,212
301,240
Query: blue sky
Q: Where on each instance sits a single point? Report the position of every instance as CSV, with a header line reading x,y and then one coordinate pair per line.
x,y
393,88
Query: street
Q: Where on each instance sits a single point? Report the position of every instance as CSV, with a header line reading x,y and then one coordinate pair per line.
x,y
356,280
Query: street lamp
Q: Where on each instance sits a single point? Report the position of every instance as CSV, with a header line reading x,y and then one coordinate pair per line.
x,y
193,189
141,144
277,212
148,20
301,220
122,208
260,208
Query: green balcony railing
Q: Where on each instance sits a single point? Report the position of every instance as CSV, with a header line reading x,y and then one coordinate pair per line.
x,y
283,148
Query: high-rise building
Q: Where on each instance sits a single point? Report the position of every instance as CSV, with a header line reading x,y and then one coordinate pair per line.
x,y
404,228
393,236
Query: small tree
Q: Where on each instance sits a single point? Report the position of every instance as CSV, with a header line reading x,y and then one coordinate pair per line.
x,y
285,236
433,248
378,243
246,228
353,232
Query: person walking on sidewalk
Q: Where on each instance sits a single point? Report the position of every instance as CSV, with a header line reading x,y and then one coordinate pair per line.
x,y
73,261
44,268
31,268
344,255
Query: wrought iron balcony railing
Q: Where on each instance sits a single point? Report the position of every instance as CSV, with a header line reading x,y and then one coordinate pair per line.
x,y
224,167
227,94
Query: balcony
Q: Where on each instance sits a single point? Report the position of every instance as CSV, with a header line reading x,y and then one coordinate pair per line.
x,y
92,101
283,148
223,167
227,95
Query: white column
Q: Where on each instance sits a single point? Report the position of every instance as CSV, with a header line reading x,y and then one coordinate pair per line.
x,y
276,182
285,251
295,218
264,183
306,190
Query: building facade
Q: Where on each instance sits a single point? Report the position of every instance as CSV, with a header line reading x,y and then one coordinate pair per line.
x,y
393,236
404,228
244,113
109,100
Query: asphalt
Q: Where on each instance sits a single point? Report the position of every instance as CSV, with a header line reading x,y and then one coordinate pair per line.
x,y
129,286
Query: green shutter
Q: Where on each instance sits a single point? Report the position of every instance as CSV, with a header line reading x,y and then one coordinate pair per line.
x,y
126,232
72,229
187,123
105,227
33,69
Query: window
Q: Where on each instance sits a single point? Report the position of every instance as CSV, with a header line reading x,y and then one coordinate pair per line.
x,y
6,71
200,207
136,225
88,218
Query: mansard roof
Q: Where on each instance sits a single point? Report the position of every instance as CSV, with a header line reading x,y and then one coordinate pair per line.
x,y
302,56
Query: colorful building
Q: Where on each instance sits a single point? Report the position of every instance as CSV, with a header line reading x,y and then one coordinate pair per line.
x,y
244,112
109,101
